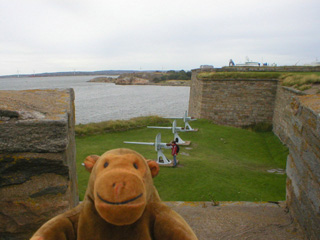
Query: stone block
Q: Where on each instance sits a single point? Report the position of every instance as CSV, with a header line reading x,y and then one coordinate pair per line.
x,y
312,190
313,140
300,211
35,120
312,161
294,176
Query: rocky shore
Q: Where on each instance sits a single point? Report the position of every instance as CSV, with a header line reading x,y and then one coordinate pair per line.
x,y
134,80
103,79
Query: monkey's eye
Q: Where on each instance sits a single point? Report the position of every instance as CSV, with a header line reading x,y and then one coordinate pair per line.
x,y
135,166
106,164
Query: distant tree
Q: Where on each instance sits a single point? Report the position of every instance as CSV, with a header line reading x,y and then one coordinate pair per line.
x,y
156,80
173,75
163,78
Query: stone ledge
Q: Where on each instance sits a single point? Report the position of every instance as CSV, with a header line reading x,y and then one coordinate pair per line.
x,y
312,102
35,120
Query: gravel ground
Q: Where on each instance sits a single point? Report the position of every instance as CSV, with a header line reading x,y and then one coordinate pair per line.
x,y
238,220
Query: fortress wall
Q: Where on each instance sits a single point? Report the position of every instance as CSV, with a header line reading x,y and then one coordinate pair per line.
x,y
37,159
282,118
239,102
297,123
195,97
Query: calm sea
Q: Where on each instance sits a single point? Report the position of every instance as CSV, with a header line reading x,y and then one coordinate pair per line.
x,y
96,102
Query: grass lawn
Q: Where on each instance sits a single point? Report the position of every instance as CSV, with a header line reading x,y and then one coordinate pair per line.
x,y
222,164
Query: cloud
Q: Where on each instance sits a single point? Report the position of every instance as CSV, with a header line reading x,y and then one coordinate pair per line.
x,y
62,35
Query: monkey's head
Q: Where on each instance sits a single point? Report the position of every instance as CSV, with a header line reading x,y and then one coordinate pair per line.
x,y
120,184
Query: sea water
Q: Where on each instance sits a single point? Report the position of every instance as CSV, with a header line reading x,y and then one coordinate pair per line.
x,y
96,102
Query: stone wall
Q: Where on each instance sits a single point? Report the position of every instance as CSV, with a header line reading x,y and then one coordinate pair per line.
x,y
37,159
297,123
235,102
282,118
195,96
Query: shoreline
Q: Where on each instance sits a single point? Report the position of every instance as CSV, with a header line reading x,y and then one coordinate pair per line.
x,y
117,81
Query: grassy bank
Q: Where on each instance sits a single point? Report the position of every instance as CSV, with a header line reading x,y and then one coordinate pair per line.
x,y
238,75
222,163
118,125
300,81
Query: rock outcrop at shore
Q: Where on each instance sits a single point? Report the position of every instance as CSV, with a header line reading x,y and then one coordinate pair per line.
x,y
132,80
146,78
103,79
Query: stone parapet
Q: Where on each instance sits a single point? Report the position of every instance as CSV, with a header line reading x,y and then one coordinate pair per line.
x,y
37,159
282,118
35,120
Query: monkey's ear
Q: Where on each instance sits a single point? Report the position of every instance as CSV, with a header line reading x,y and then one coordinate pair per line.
x,y
89,162
154,167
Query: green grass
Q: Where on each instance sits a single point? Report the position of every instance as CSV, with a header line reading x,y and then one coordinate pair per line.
x,y
118,125
224,163
238,75
300,81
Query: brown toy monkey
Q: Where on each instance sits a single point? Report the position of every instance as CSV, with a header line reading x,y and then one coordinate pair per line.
x,y
121,202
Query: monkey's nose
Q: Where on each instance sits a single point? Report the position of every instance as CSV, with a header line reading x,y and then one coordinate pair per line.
x,y
117,188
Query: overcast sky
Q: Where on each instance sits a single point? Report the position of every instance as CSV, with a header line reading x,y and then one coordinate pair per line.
x,y
89,35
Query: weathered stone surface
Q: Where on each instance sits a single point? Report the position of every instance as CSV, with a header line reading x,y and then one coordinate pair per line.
x,y
24,207
239,103
35,120
21,215
303,214
21,167
311,102
37,159
296,120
